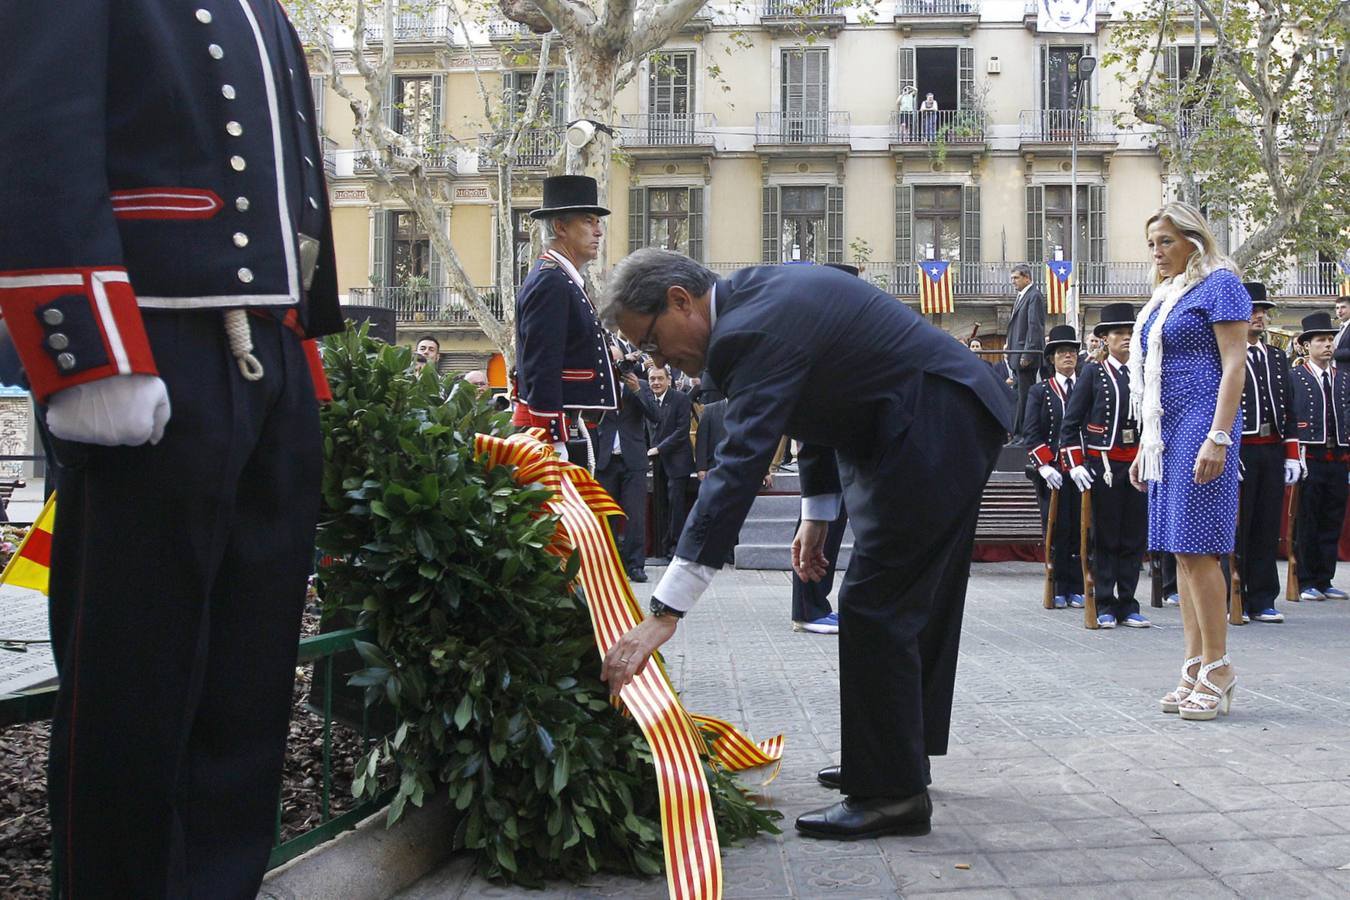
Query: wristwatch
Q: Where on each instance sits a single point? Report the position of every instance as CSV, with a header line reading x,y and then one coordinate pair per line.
x,y
1221,438
659,610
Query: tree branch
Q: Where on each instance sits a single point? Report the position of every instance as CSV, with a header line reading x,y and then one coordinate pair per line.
x,y
572,18
659,24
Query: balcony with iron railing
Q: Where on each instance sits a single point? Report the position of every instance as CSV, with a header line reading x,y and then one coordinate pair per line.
x,y
507,30
330,152
802,15
666,130
936,15
535,149
955,128
1061,126
429,305
1321,279
431,26
436,152
798,128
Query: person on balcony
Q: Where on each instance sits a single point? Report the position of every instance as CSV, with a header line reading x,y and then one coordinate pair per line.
x,y
562,354
905,104
928,116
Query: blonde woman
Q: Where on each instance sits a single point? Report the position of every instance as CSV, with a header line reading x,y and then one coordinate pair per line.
x,y
1185,392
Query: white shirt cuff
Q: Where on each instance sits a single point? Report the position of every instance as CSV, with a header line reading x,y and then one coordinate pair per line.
x,y
684,582
821,508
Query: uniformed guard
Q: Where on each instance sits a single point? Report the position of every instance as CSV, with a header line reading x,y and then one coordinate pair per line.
x,y
165,247
1321,395
1046,402
1270,461
1100,441
563,360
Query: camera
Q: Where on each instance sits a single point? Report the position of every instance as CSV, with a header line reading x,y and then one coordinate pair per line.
x,y
629,365
501,402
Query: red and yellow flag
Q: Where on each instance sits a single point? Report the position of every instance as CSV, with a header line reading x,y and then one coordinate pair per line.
x,y
30,566
1058,278
688,830
935,287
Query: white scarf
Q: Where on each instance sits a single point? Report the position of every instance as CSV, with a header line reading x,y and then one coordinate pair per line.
x,y
1146,379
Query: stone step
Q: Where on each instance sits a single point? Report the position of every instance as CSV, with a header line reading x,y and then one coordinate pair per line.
x,y
775,506
778,556
772,531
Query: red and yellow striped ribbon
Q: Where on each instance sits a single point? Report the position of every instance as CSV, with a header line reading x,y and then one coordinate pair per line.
x,y
688,830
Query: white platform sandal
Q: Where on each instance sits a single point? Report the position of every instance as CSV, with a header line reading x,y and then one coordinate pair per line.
x,y
1171,703
1208,700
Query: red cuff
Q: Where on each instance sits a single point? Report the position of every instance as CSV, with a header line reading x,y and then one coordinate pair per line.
x,y
1073,456
72,326
322,392
555,423
1291,448
1041,456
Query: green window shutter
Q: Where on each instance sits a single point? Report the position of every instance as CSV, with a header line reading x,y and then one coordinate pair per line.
x,y
379,221
438,104
904,239
906,70
435,265
637,218
696,224
965,97
770,239
970,228
509,112
834,223
390,98
1171,67
316,87
1097,223
1035,226
1043,87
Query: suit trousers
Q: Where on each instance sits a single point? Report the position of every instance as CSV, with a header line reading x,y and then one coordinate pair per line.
x,y
811,599
1068,562
178,581
629,488
1119,536
1260,517
1025,379
1321,513
904,593
669,507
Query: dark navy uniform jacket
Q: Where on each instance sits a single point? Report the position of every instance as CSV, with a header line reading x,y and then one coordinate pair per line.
x,y
1267,410
158,155
1097,415
562,352
1046,402
1310,406
824,357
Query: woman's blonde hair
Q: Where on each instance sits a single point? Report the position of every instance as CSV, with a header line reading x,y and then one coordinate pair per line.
x,y
1206,257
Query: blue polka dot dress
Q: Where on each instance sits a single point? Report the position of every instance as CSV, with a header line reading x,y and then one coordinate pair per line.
x,y
1185,517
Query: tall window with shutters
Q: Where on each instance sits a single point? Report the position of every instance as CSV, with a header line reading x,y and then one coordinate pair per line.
x,y
670,98
803,223
317,85
805,95
669,218
552,109
1050,229
417,105
937,221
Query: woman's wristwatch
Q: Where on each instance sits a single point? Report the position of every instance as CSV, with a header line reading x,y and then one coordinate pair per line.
x,y
1221,438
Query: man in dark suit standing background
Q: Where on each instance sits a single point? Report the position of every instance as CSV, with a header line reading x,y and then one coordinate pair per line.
x,y
621,464
915,437
1026,336
672,459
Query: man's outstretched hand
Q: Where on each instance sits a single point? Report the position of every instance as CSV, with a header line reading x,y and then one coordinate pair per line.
x,y
630,653
808,550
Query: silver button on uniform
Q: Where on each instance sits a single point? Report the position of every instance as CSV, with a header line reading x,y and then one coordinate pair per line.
x,y
53,316
246,275
215,51
58,341
241,204
65,361
240,239
234,129
237,163
204,16
313,204
227,91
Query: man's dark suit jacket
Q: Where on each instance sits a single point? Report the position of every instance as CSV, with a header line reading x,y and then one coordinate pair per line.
x,y
786,339
635,410
671,438
1026,331
1342,351
712,430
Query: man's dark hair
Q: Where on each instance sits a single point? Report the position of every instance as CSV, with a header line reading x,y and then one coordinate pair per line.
x,y
427,337
639,282
1022,269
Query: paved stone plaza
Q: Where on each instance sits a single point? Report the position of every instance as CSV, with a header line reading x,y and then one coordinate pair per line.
x,y
1064,781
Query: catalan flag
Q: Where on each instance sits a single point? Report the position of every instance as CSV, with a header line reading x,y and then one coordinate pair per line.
x,y
935,287
30,565
1345,275
1058,278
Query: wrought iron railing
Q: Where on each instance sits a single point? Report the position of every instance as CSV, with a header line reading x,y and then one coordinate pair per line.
x,y
330,151
508,30
667,129
535,149
806,127
1322,279
432,305
1059,126
801,9
430,26
437,152
918,8
948,126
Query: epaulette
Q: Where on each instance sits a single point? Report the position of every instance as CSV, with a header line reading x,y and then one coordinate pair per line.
x,y
548,264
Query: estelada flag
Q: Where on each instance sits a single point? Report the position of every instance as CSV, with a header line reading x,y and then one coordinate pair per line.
x,y
30,565
1058,277
935,287
1345,275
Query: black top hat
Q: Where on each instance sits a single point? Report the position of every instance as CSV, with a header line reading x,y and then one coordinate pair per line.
x,y
1114,315
1317,323
1257,291
845,267
1061,336
569,194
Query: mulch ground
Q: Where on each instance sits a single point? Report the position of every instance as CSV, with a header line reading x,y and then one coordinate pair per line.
x,y
25,849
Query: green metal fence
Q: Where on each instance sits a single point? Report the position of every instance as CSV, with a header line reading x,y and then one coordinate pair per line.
x,y
321,649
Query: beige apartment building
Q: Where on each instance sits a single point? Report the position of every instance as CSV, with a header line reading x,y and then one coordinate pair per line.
x,y
801,146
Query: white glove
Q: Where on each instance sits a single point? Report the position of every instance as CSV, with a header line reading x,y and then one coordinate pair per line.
x,y
1081,477
561,449
122,410
1292,471
1052,477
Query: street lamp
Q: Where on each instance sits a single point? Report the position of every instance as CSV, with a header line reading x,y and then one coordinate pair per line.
x,y
1084,71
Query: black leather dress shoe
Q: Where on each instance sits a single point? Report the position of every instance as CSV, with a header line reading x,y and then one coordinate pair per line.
x,y
854,819
830,777
637,576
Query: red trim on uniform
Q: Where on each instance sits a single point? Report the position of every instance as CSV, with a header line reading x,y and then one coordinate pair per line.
x,y
554,422
322,392
1041,455
21,293
1258,441
1121,454
579,374
1073,457
1291,448
165,203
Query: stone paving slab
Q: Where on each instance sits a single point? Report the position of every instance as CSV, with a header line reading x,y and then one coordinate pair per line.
x,y
1064,779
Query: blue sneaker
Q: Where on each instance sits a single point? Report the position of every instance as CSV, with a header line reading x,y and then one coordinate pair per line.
x,y
1312,594
1077,601
1270,615
824,625
1106,620
1061,603
1335,594
1172,600
1134,620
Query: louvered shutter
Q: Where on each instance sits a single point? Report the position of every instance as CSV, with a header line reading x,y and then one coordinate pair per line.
x,y
965,97
770,251
437,108
378,222
970,239
696,224
834,223
904,239
637,218
435,265
1035,226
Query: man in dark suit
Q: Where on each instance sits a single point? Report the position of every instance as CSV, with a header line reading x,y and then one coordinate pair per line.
x,y
1026,337
165,248
672,459
915,437
1342,352
621,466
